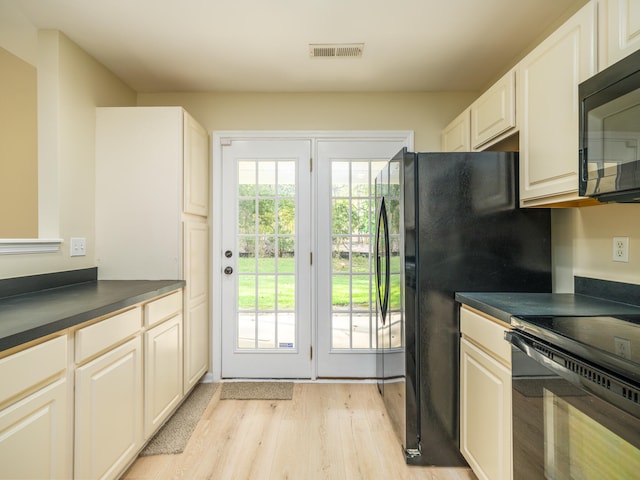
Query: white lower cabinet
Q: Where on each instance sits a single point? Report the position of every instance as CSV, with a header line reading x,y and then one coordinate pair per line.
x,y
35,413
163,372
82,404
36,424
109,412
485,397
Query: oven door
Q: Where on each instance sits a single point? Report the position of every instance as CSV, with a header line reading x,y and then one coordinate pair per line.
x,y
563,428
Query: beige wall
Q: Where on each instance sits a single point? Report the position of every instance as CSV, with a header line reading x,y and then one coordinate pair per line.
x,y
70,85
583,243
595,228
18,148
423,112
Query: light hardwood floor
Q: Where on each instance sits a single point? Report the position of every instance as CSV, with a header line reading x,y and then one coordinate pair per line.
x,y
327,431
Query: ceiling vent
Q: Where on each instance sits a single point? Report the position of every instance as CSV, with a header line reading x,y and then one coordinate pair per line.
x,y
336,50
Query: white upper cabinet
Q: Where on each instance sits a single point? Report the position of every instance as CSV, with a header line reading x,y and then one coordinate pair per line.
x,y
456,137
548,80
494,113
151,173
619,30
196,168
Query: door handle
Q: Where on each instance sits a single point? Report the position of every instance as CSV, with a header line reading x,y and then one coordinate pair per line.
x,y
228,270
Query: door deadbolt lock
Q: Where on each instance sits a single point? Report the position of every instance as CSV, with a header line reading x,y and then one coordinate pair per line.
x,y
228,254
228,270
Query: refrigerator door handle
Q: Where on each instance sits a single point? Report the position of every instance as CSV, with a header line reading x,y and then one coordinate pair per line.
x,y
383,230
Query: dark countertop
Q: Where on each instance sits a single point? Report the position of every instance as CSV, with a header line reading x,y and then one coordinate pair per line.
x,y
33,315
505,305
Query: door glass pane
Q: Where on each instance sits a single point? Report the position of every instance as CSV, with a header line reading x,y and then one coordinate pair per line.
x,y
286,216
286,179
340,179
246,216
286,330
267,255
267,216
246,330
247,178
266,292
361,330
266,330
247,292
340,333
286,258
286,292
266,178
341,217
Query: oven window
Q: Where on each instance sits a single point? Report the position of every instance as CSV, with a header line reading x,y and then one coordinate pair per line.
x,y
562,432
578,446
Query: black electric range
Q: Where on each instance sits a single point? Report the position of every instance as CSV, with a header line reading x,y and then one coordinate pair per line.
x,y
609,342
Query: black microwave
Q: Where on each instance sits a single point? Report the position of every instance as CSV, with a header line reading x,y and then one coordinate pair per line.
x,y
609,156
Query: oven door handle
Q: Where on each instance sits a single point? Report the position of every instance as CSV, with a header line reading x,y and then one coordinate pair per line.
x,y
521,344
617,391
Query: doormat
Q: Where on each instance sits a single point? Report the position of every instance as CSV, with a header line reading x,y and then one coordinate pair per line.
x,y
256,391
174,435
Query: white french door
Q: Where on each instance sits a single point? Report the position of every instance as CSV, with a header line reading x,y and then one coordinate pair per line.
x,y
274,307
266,247
346,276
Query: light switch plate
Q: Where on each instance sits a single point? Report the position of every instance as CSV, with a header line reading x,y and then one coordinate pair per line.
x,y
78,247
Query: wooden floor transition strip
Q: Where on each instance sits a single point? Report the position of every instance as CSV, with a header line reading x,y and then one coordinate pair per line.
x,y
256,391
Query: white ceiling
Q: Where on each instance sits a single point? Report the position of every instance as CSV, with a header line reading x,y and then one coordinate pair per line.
x,y
262,45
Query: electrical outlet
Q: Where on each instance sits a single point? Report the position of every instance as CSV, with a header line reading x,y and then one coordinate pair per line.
x,y
622,347
620,249
78,247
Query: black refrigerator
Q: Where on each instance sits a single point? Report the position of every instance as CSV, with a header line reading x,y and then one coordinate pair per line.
x,y
445,222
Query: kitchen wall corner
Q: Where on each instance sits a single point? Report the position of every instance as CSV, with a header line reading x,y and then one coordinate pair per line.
x,y
594,229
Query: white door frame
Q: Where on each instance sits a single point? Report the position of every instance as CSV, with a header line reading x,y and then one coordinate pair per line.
x,y
222,137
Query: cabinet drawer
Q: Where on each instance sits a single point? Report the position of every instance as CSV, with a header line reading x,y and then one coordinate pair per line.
x,y
29,367
163,308
487,333
109,332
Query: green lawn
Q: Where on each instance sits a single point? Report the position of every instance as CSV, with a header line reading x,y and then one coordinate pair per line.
x,y
286,288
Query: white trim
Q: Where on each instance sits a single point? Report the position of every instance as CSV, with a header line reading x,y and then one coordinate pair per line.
x,y
20,246
225,137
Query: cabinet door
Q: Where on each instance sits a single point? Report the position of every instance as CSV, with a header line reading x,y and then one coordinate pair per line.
x,y
196,168
621,30
163,372
196,311
139,153
455,136
109,420
494,113
548,82
35,435
485,413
